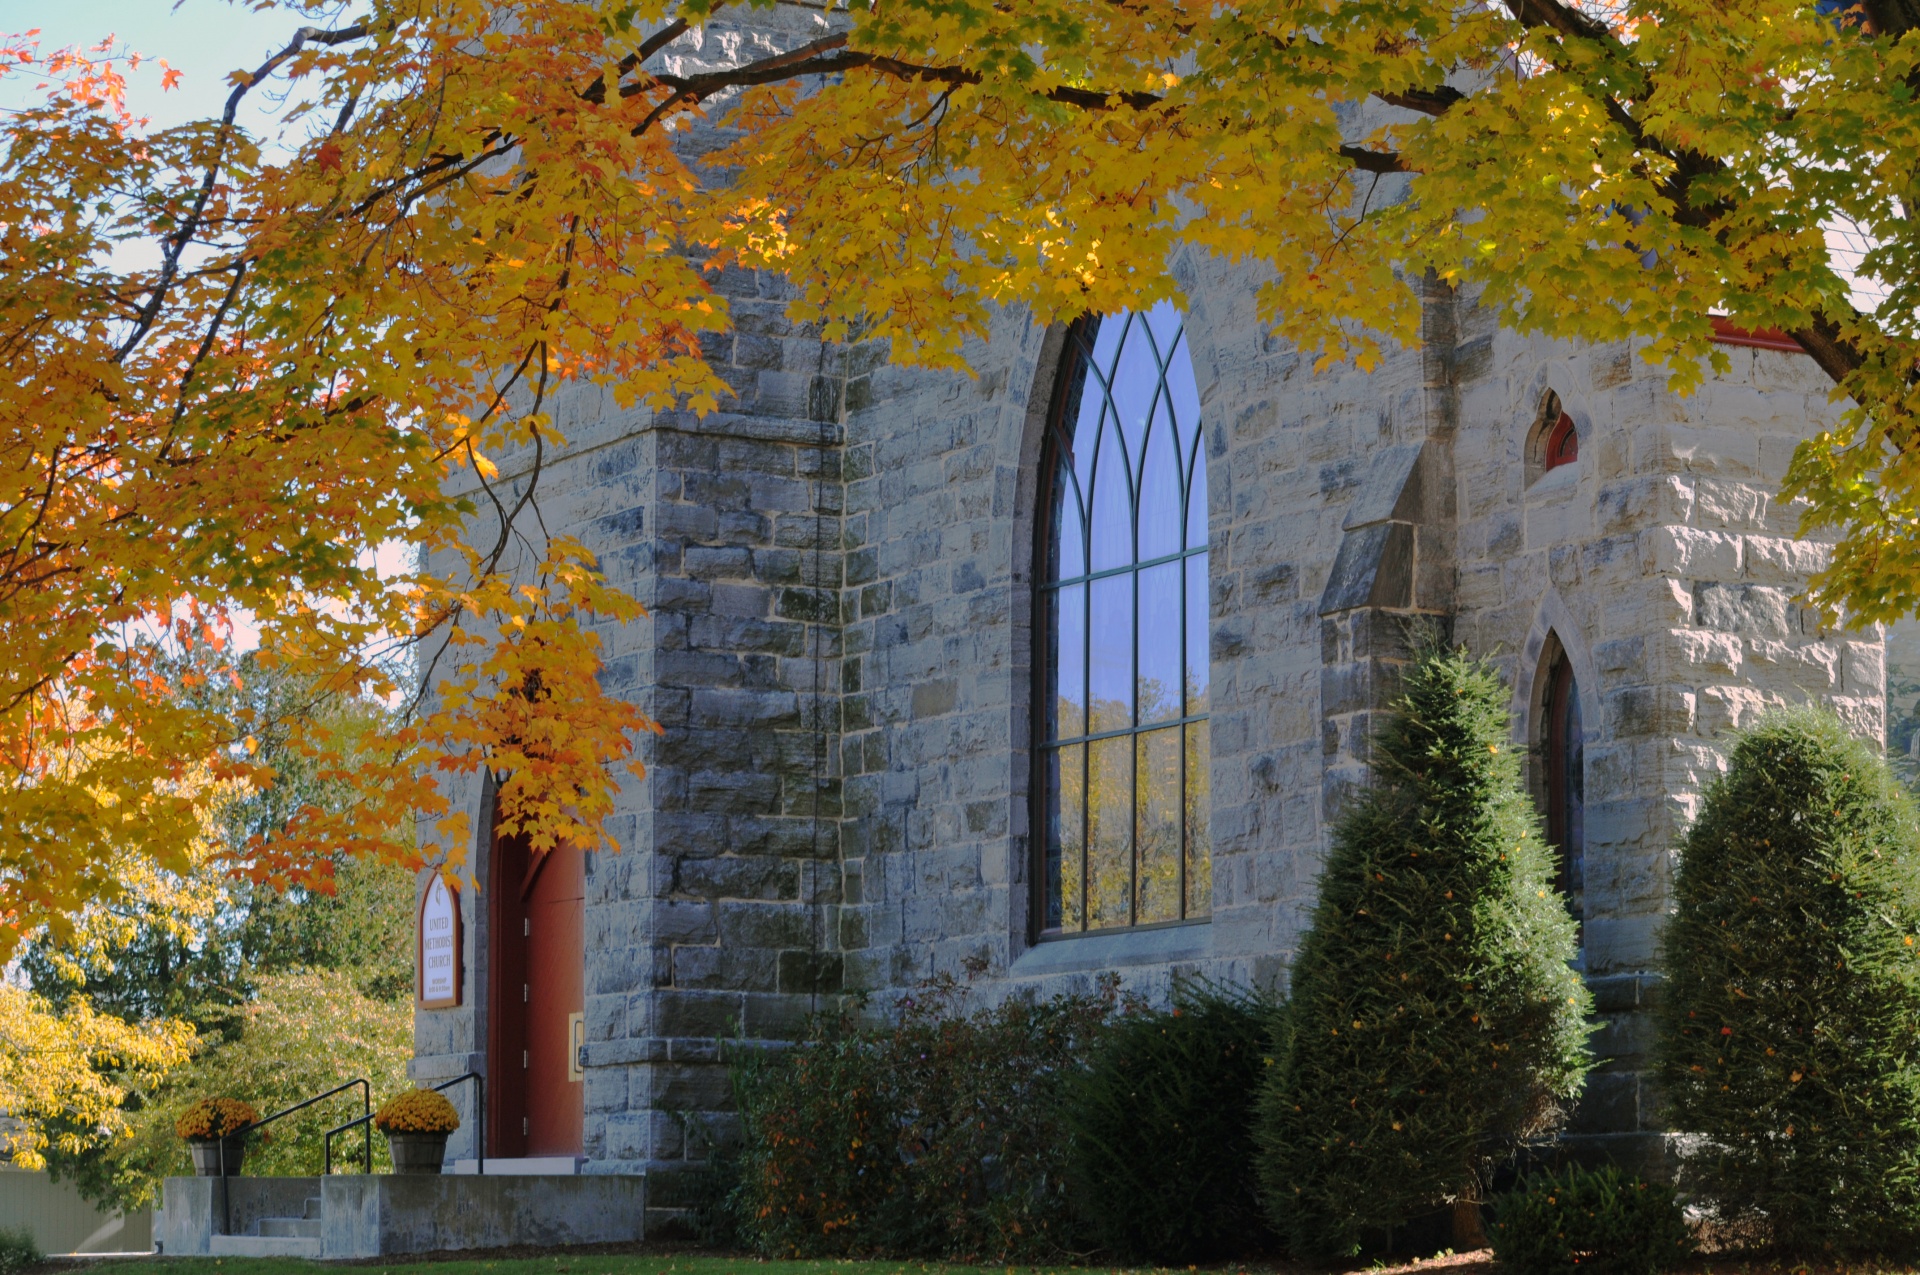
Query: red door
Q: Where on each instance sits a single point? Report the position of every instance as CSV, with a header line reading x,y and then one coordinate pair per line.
x,y
536,1092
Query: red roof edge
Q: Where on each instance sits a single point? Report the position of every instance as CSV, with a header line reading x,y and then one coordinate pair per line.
x,y
1763,338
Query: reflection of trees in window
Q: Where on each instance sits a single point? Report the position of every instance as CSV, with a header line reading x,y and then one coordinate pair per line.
x,y
1122,607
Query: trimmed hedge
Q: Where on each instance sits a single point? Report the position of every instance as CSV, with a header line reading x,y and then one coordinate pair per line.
x,y
1434,1016
1589,1222
1789,1029
1162,1127
941,1136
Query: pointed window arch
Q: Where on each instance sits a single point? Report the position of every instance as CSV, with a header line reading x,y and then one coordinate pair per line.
x,y
1563,760
1554,438
1563,443
1122,679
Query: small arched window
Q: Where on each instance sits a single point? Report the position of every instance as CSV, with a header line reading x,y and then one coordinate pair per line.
x,y
1121,608
1563,443
1563,753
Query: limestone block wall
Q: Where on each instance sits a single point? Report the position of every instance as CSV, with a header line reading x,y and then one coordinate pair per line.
x,y
710,921
838,570
744,862
940,509
1666,567
1662,562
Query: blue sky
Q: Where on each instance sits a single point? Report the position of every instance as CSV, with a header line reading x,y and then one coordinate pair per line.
x,y
203,39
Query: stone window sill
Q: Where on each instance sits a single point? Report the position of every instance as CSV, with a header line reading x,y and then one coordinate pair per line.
x,y
1162,944
1558,481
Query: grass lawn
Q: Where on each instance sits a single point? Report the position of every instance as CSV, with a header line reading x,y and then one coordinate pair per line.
x,y
627,1261
564,1262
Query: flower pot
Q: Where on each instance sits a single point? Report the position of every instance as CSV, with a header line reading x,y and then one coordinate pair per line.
x,y
417,1152
207,1156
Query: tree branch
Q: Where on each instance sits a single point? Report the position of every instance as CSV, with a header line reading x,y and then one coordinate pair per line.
x,y
1374,161
1433,101
596,92
176,243
829,56
1839,359
1891,17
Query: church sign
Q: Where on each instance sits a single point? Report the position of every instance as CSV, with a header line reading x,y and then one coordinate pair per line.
x,y
438,975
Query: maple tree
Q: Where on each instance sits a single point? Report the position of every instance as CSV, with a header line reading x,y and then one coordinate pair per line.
x,y
241,973
243,363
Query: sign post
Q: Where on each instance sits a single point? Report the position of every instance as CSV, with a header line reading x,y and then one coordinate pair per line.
x,y
437,974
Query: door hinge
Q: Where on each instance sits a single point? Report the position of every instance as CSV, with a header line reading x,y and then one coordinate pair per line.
x,y
526,927
524,994
523,1059
523,1126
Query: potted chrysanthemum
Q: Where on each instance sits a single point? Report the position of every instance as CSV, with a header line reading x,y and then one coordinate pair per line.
x,y
417,1123
210,1123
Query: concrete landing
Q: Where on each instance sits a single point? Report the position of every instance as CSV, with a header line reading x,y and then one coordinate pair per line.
x,y
360,1216
264,1246
542,1165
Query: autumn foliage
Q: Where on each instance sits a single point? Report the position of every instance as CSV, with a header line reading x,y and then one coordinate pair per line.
x,y
243,364
63,1074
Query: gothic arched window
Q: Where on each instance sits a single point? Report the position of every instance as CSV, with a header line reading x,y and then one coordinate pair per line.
x,y
1121,611
1563,753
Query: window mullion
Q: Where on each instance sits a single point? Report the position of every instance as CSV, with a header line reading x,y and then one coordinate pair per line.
x,y
1133,750
1086,750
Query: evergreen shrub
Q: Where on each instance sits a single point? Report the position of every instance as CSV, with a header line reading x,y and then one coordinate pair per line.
x,y
1433,1017
1789,1032
1162,1128
939,1136
1589,1222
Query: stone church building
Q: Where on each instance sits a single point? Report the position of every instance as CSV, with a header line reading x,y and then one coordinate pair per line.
x,y
1065,670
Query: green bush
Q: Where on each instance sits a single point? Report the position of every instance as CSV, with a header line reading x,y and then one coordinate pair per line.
x,y
819,1168
1434,1018
1787,1033
1162,1128
18,1250
1601,1221
712,1194
939,1136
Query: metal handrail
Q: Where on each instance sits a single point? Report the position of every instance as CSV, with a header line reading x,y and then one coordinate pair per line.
x,y
480,1121
226,1203
342,1128
480,1115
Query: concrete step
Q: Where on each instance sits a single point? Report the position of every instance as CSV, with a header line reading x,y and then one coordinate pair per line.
x,y
525,1166
264,1246
290,1227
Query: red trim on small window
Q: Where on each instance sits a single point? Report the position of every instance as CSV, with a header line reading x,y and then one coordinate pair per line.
x,y
1563,443
1726,333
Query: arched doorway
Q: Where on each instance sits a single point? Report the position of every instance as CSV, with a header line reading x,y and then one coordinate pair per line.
x,y
536,1091
1563,766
